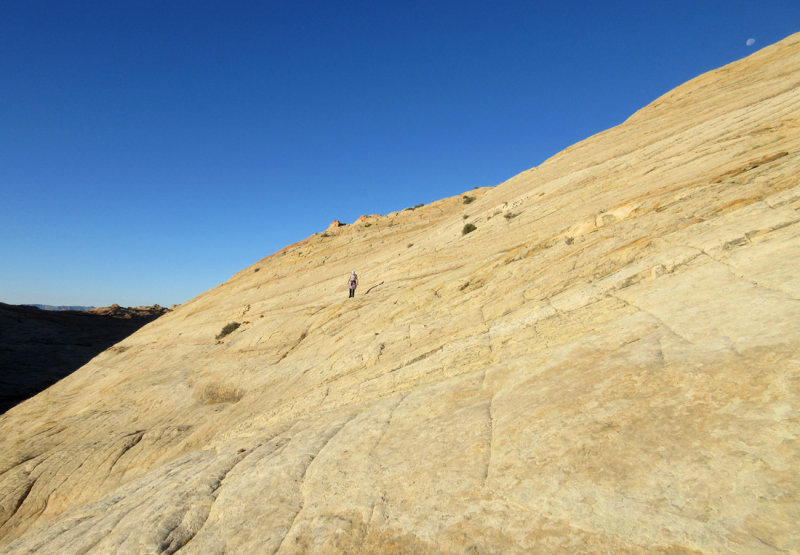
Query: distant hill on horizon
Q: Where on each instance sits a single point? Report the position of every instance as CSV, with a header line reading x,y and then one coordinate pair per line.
x,y
60,307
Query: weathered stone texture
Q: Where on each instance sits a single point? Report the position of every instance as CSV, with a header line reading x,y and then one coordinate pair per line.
x,y
610,362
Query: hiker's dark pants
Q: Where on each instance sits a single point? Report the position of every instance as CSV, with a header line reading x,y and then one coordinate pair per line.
x,y
353,292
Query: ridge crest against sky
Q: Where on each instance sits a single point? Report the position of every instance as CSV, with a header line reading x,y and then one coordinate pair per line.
x,y
150,150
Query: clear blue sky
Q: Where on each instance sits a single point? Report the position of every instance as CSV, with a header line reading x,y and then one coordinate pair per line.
x,y
151,149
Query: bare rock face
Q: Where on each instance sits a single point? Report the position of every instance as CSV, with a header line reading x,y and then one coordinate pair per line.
x,y
609,362
39,347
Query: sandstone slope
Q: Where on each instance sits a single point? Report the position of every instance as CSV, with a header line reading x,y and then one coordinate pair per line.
x,y
39,347
610,362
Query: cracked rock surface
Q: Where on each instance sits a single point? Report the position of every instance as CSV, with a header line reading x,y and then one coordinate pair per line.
x,y
610,362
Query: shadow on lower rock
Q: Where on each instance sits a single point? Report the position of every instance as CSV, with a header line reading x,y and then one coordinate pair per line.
x,y
40,347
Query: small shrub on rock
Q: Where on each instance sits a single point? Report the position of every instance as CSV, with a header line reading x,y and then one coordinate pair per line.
x,y
215,393
468,228
468,199
229,328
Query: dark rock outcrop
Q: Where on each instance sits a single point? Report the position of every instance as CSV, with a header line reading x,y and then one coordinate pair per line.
x,y
39,347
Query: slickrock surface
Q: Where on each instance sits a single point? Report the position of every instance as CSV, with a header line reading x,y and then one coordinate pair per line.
x,y
39,347
610,362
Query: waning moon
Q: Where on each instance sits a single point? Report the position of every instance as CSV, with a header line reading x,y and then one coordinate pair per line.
x,y
750,42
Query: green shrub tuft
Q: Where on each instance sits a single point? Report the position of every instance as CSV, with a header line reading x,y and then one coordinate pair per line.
x,y
468,228
468,199
229,328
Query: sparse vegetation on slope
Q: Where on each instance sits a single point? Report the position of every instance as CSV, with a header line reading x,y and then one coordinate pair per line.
x,y
228,329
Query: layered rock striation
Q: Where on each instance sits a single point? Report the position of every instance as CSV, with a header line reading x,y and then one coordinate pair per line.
x,y
609,362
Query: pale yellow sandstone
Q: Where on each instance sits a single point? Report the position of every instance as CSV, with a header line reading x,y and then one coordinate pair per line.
x,y
610,362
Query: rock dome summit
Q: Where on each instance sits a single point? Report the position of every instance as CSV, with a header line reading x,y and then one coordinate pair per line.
x,y
609,362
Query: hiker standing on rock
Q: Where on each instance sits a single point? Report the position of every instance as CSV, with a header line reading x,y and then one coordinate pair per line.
x,y
353,283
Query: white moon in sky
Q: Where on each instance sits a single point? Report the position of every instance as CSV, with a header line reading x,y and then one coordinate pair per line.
x,y
750,42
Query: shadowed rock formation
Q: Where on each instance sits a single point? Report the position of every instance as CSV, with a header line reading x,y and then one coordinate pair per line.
x,y
39,347
607,363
